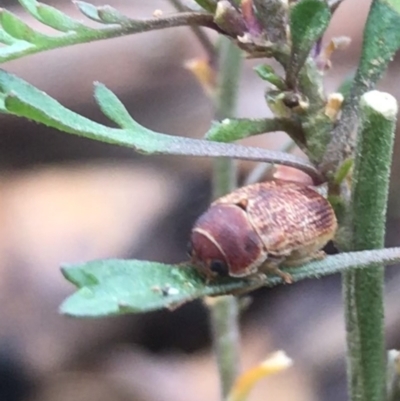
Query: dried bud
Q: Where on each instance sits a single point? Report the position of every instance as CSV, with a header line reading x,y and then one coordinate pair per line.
x,y
229,19
334,105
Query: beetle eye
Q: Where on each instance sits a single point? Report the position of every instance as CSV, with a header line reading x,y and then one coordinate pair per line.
x,y
219,267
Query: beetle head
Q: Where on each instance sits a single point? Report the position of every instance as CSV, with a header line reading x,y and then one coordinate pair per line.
x,y
223,242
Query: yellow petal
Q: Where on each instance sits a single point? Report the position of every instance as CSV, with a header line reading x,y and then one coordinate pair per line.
x,y
203,72
244,384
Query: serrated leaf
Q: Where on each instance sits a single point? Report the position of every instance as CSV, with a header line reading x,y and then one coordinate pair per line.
x,y
308,21
19,30
24,100
113,108
115,287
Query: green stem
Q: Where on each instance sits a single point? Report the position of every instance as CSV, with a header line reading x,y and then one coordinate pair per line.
x,y
363,290
87,34
380,44
263,169
224,314
224,310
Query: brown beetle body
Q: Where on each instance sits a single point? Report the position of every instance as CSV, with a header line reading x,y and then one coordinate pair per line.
x,y
260,226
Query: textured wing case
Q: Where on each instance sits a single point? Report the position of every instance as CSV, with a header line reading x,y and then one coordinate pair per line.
x,y
286,216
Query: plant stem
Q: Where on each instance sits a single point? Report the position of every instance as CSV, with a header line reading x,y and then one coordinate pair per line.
x,y
381,42
224,314
224,310
363,290
263,169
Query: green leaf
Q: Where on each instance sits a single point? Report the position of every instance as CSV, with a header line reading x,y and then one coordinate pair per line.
x,y
52,17
88,10
110,15
267,73
30,6
208,5
18,29
22,99
58,20
231,129
381,42
114,287
112,107
308,21
5,38
395,4
75,32
343,171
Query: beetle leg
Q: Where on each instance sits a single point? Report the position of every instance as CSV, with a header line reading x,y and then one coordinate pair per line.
x,y
271,265
294,261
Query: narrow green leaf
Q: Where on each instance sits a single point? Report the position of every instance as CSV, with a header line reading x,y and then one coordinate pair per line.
x,y
24,100
343,171
76,32
380,44
30,6
231,129
267,73
112,107
16,49
89,10
2,104
19,30
110,15
308,21
5,38
58,20
113,287
208,5
395,4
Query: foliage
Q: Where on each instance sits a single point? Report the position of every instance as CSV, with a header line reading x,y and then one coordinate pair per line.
x,y
356,171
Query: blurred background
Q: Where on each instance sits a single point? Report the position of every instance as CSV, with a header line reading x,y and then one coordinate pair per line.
x,y
67,199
